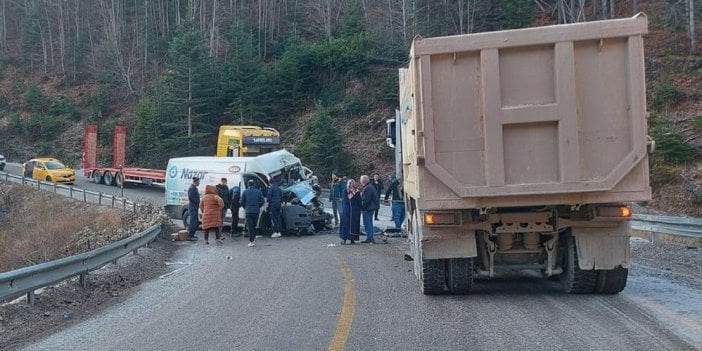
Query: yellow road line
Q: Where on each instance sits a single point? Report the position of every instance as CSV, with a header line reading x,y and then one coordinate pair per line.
x,y
343,325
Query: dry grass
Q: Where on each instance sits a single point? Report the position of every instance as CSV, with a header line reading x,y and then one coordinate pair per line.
x,y
37,226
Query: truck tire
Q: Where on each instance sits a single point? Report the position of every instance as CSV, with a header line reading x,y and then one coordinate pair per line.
x,y
611,281
460,275
433,277
109,179
573,279
97,177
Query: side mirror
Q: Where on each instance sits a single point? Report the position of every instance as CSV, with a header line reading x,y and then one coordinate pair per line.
x,y
390,137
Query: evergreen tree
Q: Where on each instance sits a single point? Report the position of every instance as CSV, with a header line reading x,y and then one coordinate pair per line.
x,y
322,147
189,89
242,74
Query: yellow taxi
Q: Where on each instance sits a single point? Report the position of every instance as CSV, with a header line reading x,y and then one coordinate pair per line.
x,y
48,169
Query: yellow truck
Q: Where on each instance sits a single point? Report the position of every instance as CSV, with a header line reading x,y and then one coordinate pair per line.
x,y
237,141
520,150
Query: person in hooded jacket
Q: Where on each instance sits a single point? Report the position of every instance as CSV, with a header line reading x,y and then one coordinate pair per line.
x,y
275,203
223,193
234,204
211,206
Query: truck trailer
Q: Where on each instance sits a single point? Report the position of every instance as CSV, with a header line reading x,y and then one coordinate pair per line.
x,y
521,150
117,174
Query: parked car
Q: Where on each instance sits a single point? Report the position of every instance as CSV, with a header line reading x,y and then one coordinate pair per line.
x,y
48,169
2,162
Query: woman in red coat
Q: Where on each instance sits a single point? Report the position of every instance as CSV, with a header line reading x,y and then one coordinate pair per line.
x,y
211,206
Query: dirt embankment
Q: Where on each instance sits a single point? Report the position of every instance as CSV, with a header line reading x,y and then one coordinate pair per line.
x,y
37,226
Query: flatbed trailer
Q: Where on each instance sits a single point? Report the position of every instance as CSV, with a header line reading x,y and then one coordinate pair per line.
x,y
117,175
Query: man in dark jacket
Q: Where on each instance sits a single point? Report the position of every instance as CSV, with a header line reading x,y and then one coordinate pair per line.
x,y
193,206
398,202
251,201
337,187
223,192
369,203
275,203
378,184
234,205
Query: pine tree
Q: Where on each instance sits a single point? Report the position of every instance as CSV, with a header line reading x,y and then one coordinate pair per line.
x,y
189,89
322,148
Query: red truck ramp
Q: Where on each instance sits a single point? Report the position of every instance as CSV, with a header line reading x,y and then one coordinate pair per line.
x,y
117,175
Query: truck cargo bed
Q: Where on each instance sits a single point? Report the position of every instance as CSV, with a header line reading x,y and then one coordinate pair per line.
x,y
551,115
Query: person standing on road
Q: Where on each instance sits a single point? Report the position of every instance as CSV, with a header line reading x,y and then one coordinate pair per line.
x,y
335,194
350,218
369,203
234,205
378,184
275,203
251,201
398,203
193,205
211,206
223,192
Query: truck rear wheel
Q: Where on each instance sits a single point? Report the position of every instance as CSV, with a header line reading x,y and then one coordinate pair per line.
x,y
574,279
460,275
611,281
433,277
97,177
109,179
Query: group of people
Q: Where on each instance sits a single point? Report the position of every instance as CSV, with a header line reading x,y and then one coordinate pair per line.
x,y
218,199
352,201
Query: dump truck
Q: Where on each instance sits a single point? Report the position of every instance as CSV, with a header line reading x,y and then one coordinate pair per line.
x,y
521,150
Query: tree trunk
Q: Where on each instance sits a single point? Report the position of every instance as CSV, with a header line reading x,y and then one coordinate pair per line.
x,y
635,6
190,102
62,37
51,39
212,28
693,36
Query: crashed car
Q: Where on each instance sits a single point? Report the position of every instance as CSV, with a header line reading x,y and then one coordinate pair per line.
x,y
304,195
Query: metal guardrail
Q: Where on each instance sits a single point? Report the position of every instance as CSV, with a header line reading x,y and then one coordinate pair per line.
x,y
100,198
28,279
680,226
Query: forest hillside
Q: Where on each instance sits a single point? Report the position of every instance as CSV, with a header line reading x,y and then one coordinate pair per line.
x,y
323,72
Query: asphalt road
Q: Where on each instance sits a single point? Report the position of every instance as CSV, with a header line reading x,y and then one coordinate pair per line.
x,y
310,293
290,294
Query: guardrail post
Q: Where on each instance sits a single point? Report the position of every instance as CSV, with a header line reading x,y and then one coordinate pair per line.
x,y
136,251
55,190
100,198
82,280
655,237
70,192
31,298
85,196
124,203
113,201
114,262
39,184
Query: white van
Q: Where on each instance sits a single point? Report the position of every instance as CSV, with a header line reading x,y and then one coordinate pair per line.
x,y
280,165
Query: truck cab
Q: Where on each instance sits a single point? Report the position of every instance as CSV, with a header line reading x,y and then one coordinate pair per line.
x,y
242,141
